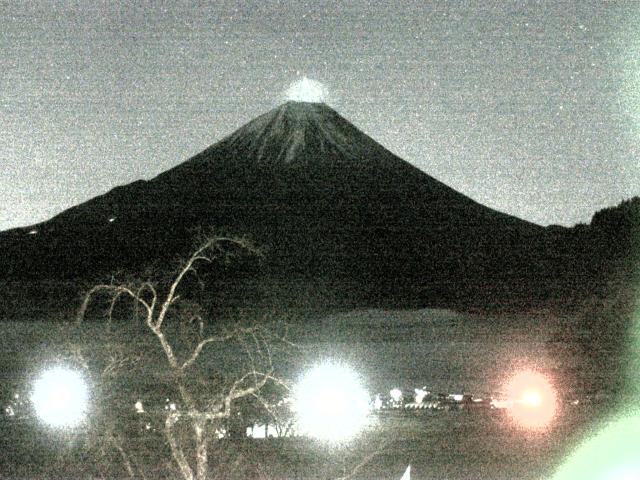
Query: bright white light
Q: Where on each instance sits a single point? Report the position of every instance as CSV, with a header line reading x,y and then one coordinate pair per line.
x,y
500,404
306,90
532,398
60,397
330,403
420,394
396,394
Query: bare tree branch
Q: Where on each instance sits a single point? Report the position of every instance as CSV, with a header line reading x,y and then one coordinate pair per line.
x,y
176,450
203,343
219,405
154,294
197,256
125,458
116,291
365,461
114,299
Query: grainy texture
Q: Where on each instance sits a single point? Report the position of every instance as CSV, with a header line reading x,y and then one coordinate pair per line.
x,y
530,108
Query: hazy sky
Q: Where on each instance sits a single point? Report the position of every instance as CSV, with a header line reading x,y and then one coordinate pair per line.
x,y
532,108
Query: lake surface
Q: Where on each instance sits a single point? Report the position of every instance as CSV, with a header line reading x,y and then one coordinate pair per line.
x,y
452,352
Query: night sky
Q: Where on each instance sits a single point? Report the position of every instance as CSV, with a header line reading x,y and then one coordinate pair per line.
x,y
532,108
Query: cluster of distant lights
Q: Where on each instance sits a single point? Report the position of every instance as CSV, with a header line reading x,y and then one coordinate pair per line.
x,y
530,400
329,400
331,404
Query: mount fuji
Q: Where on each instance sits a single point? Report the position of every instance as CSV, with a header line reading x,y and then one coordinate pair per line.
x,y
324,201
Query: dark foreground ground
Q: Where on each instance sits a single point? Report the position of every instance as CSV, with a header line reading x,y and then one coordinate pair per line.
x,y
442,350
444,445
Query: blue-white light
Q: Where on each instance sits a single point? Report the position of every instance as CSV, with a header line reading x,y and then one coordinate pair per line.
x,y
60,397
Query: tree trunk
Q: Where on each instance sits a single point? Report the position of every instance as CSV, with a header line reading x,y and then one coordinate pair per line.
x,y
125,458
176,450
202,462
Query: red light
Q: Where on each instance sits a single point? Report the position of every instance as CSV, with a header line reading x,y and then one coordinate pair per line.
x,y
533,400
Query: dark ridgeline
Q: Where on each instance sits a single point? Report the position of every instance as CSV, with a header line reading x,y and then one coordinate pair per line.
x,y
342,221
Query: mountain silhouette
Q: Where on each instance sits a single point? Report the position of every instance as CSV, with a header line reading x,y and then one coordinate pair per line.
x,y
324,201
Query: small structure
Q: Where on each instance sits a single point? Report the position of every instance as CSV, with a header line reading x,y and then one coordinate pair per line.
x,y
267,430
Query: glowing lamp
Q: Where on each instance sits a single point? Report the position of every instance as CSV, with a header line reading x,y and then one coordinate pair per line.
x,y
396,394
533,400
60,397
330,403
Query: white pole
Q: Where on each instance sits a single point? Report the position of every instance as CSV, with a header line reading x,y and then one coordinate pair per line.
x,y
407,474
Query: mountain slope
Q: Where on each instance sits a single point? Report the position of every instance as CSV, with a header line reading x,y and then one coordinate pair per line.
x,y
322,198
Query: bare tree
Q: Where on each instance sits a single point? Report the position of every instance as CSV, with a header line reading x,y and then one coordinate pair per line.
x,y
203,409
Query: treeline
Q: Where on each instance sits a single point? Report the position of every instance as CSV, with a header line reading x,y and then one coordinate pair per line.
x,y
608,249
600,260
497,268
561,268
